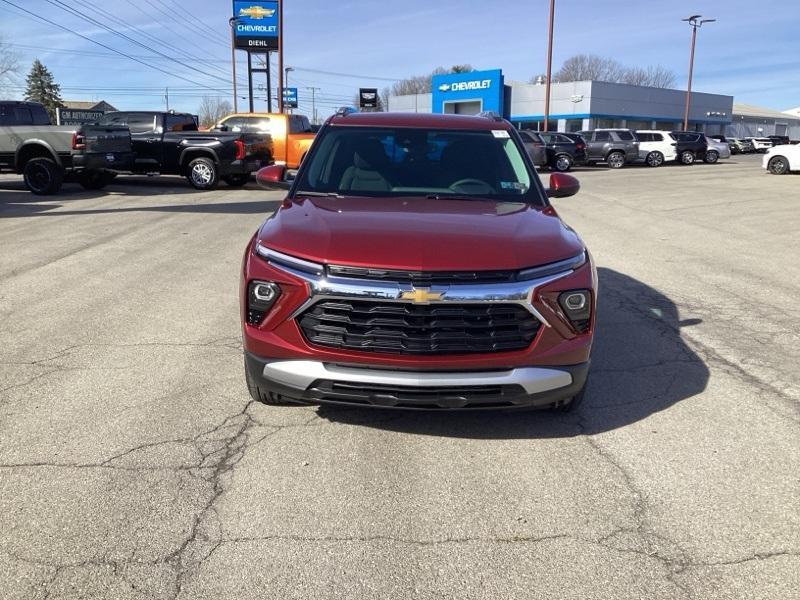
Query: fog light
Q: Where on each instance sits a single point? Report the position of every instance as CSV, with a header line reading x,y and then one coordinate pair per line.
x,y
264,292
577,305
260,298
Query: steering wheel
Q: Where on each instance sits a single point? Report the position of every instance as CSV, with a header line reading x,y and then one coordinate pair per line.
x,y
483,187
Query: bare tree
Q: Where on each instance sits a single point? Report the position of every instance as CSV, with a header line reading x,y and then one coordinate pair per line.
x,y
212,109
421,84
584,67
9,61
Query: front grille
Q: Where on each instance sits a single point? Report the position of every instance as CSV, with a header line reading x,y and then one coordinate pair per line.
x,y
398,328
422,279
479,396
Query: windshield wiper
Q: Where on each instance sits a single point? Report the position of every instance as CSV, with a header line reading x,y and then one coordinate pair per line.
x,y
452,197
319,194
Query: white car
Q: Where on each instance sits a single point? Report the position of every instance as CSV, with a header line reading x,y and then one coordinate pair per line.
x,y
656,146
779,160
760,144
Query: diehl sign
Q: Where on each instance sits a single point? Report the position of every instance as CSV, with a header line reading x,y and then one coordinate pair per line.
x,y
255,25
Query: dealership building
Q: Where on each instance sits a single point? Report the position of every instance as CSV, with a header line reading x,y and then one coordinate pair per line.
x,y
574,106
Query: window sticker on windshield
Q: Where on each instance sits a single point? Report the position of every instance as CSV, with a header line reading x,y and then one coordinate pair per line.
x,y
500,133
513,185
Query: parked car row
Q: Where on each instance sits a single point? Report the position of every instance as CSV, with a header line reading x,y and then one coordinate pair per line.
x,y
753,144
619,147
145,142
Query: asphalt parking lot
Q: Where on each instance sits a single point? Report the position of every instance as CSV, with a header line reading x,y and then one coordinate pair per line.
x,y
133,464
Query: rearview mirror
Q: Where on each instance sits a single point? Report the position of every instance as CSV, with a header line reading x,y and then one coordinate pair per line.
x,y
273,177
562,186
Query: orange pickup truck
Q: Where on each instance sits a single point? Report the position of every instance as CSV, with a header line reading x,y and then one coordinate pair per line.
x,y
291,135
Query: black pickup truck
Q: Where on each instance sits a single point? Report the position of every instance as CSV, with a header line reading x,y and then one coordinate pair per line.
x,y
169,143
48,155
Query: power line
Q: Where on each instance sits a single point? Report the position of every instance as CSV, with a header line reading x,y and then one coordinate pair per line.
x,y
88,39
90,19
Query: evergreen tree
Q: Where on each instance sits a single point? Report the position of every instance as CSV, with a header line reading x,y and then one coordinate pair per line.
x,y
41,88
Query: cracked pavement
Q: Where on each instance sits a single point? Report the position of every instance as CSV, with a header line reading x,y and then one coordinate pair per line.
x,y
134,465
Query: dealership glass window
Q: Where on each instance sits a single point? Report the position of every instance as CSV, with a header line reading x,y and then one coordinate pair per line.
x,y
633,124
604,124
574,125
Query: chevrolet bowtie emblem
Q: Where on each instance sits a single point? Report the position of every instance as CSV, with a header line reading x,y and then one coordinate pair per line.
x,y
256,12
421,296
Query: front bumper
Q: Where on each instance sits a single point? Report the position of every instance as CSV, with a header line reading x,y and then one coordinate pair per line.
x,y
316,382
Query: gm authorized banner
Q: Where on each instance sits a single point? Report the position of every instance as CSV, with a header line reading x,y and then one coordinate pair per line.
x,y
65,116
256,25
468,93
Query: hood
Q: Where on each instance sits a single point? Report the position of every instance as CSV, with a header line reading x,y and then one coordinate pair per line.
x,y
420,234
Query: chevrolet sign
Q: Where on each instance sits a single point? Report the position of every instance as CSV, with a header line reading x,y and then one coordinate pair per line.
x,y
463,86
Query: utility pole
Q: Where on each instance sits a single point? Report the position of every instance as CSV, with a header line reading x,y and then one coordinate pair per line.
x,y
232,22
314,103
280,56
286,71
250,79
166,95
695,22
549,66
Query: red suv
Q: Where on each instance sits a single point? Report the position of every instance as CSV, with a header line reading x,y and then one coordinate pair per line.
x,y
416,262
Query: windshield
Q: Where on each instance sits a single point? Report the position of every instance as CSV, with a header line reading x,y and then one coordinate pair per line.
x,y
371,161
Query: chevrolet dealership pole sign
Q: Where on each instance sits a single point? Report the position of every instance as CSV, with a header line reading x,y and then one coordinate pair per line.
x,y
255,25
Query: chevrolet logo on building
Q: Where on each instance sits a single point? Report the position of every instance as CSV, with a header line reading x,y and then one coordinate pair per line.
x,y
256,12
444,87
421,296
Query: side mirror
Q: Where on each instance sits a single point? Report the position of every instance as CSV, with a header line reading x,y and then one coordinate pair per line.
x,y
562,186
273,177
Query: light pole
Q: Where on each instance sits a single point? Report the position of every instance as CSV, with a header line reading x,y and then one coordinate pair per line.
x,y
549,65
695,22
232,22
286,72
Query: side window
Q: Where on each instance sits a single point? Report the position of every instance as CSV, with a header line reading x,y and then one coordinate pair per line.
x,y
644,137
562,139
602,136
180,123
23,115
40,116
657,137
525,137
5,115
625,136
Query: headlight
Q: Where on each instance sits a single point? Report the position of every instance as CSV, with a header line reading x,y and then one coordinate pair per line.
x,y
261,296
577,305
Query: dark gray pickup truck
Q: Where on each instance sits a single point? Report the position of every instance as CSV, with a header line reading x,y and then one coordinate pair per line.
x,y
169,143
48,155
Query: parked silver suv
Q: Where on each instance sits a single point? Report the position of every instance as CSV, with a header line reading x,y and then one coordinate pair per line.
x,y
615,147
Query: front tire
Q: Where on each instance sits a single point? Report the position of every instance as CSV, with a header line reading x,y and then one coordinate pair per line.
x,y
616,160
778,165
655,159
687,157
236,180
711,157
43,176
562,163
203,174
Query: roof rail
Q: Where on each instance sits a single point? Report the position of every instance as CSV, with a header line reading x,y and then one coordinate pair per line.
x,y
490,114
343,111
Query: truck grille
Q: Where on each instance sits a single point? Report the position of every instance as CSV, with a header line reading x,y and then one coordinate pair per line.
x,y
398,328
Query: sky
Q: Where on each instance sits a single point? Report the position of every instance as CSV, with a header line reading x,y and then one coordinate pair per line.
x,y
752,52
